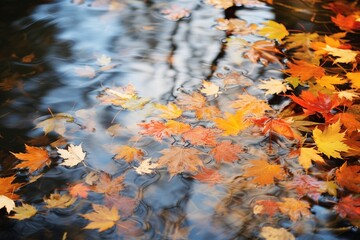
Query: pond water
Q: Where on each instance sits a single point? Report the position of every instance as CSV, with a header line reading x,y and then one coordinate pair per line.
x,y
60,59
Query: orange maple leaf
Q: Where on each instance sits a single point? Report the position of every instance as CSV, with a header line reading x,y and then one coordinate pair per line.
x,y
278,126
346,23
351,121
307,186
191,102
232,124
226,151
349,206
179,159
108,185
349,177
267,207
263,173
263,50
209,176
8,188
34,158
127,153
295,209
200,136
304,70
80,190
155,129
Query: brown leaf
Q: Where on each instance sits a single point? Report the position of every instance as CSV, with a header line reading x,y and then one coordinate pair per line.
x,y
107,185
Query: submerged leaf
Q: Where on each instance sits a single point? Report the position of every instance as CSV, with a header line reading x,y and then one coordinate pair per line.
x,y
24,212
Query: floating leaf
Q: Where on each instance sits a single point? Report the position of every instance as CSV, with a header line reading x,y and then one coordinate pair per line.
x,y
200,136
59,201
294,208
232,124
34,158
210,88
127,153
146,167
307,155
170,111
349,206
8,188
344,55
263,173
270,233
226,151
273,86
304,70
102,218
7,203
80,190
24,212
108,185
349,177
57,123
73,156
273,30
267,207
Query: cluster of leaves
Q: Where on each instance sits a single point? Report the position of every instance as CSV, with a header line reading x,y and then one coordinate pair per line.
x,y
317,133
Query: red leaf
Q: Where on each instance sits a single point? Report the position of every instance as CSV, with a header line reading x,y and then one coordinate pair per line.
x,y
226,151
349,207
201,136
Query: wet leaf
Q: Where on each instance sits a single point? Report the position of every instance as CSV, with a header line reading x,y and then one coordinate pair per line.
x,y
346,23
251,105
209,176
304,70
7,203
307,186
146,167
108,185
307,155
194,101
236,26
24,212
264,51
34,158
354,78
175,12
80,190
344,55
170,111
8,187
59,201
273,86
330,141
221,3
210,88
57,123
295,209
226,151
349,177
329,81
273,30
263,173
349,207
127,153
73,156
267,207
270,233
102,218
232,124
201,136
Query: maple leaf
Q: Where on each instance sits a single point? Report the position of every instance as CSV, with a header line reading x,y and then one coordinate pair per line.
x,y
349,206
191,102
232,124
146,167
297,40
80,190
221,3
59,201
308,154
354,78
91,178
263,173
127,153
251,105
176,128
102,218
7,203
348,95
304,70
268,207
175,13
345,55
34,158
270,233
321,103
200,136
226,151
295,209
103,60
178,159
273,30
170,111
24,212
236,26
349,177
350,120
124,205
307,186
330,141
264,51
279,126
210,88
346,23
8,188
73,156
207,113
108,185
209,176
160,130
330,81
56,123
273,86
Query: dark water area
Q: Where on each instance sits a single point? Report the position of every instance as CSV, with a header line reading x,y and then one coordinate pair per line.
x,y
58,57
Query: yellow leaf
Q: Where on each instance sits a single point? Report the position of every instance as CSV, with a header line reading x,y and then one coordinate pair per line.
x,y
23,212
345,55
170,111
273,30
221,3
210,88
295,209
264,173
232,124
34,158
270,233
59,201
354,78
273,86
330,141
102,218
127,153
330,81
349,94
308,154
56,123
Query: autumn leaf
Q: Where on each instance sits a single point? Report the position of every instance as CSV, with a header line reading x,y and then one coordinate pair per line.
x,y
108,185
267,207
175,13
329,81
349,177
354,78
279,126
346,23
263,173
263,51
176,127
59,201
232,124
306,185
170,111
56,123
102,218
270,233
34,158
191,102
80,190
273,30
236,26
160,130
300,40
330,141
200,136
24,212
350,120
7,203
295,209
103,60
207,113
348,94
226,151
273,86
304,70
221,3
73,156
209,176
146,167
210,88
127,153
307,155
8,188
86,71
349,206
178,160
344,55
251,105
